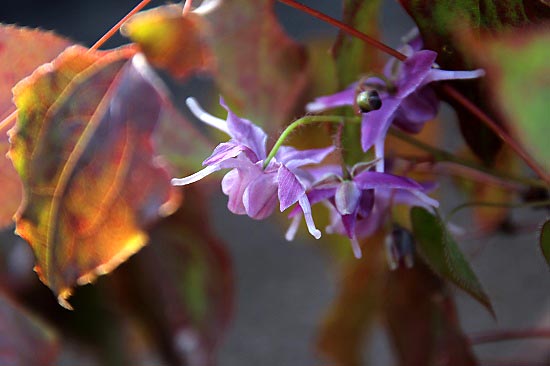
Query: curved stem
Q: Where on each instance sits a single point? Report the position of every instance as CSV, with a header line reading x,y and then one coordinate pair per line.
x,y
507,335
442,155
117,26
447,89
304,121
496,205
186,7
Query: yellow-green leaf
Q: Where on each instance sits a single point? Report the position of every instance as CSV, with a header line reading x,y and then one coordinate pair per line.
x,y
82,146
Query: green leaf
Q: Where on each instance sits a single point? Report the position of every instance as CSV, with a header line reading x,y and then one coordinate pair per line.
x,y
443,254
518,67
545,241
441,22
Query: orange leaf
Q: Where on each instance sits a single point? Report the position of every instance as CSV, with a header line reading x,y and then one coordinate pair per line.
x,y
21,51
169,40
82,146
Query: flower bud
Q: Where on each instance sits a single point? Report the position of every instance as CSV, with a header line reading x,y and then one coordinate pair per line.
x,y
368,100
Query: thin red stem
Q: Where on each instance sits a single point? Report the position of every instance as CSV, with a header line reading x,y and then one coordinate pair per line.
x,y
346,28
8,121
447,89
507,335
117,26
187,7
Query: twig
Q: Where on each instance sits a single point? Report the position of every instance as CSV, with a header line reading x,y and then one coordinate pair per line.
x,y
117,26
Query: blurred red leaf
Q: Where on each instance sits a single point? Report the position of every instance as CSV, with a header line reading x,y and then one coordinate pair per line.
x,y
21,51
352,315
189,272
24,340
261,71
82,146
171,41
422,321
440,21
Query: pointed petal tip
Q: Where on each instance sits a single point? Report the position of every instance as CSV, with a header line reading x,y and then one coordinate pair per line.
x,y
357,253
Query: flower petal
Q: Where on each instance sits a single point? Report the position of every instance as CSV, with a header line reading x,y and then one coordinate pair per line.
x,y
224,151
375,124
206,117
343,98
347,198
382,181
195,177
306,208
290,188
437,75
245,132
260,197
293,158
415,69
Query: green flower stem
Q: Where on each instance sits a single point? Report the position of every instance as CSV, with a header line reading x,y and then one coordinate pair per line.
x,y
496,205
306,121
445,156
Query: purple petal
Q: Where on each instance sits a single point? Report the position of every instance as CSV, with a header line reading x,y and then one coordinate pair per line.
x,y
420,106
260,197
374,180
375,124
223,151
349,221
245,132
415,69
343,98
290,188
293,158
237,180
195,177
437,75
306,209
347,198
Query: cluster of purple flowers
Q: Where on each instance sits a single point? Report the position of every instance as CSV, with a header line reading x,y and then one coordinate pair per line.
x,y
360,198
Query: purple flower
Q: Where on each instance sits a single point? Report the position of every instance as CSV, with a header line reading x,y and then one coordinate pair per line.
x,y
360,203
407,99
252,189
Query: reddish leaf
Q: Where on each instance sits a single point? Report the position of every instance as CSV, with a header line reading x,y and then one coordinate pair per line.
x,y
24,340
82,146
422,321
21,51
440,21
189,272
171,41
260,71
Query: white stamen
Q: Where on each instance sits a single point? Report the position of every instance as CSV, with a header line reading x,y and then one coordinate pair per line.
x,y
293,228
195,177
207,6
207,118
379,154
356,248
315,106
306,208
425,198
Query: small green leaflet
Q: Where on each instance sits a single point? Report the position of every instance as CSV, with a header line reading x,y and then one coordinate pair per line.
x,y
443,255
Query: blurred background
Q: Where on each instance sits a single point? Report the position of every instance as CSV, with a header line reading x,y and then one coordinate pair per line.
x,y
283,290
